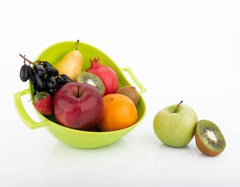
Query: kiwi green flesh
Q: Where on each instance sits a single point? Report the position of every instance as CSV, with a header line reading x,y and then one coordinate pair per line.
x,y
210,135
91,79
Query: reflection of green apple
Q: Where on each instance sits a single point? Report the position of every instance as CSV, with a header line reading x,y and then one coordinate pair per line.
x,y
175,125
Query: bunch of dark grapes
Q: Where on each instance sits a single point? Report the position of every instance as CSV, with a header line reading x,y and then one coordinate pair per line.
x,y
43,76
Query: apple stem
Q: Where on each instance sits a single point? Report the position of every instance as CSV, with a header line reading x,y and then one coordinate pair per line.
x,y
77,45
78,93
178,106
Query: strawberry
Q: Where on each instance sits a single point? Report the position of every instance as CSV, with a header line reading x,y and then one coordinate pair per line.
x,y
43,103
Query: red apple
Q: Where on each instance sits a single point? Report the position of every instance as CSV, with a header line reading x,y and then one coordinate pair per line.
x,y
78,105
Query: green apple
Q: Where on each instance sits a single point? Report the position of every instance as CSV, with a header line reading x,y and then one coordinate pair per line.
x,y
175,125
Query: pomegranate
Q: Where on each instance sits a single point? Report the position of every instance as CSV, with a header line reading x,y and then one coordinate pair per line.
x,y
107,75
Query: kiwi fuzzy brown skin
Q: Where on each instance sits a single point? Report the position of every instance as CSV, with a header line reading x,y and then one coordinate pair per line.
x,y
130,92
204,145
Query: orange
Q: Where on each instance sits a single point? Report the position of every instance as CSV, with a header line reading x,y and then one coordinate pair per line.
x,y
119,112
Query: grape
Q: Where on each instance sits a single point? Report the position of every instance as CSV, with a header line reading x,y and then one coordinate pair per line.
x,y
37,88
60,80
63,79
46,64
24,72
51,71
43,76
40,82
39,70
51,82
31,75
51,91
66,78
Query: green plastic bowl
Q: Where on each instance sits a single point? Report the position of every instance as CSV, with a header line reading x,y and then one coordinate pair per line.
x,y
72,137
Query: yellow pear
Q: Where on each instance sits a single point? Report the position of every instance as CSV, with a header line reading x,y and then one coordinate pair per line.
x,y
71,63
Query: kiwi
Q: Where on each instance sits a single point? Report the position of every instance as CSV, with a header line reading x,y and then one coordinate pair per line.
x,y
130,92
89,78
209,139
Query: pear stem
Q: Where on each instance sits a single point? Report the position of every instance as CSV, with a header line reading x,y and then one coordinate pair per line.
x,y
77,45
25,59
178,106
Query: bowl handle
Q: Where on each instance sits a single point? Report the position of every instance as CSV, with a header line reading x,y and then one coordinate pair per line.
x,y
23,114
134,78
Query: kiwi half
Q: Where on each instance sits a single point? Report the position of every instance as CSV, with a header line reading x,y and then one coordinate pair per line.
x,y
94,80
209,139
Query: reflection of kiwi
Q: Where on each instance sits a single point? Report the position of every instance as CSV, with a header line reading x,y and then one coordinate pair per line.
x,y
209,138
89,78
130,92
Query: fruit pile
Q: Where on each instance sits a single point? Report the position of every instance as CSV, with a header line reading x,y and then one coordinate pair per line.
x,y
176,125
91,100
88,100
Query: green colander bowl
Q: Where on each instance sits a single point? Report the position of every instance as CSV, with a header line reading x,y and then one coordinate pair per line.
x,y
72,137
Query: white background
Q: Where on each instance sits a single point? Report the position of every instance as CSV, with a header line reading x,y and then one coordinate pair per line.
x,y
179,50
